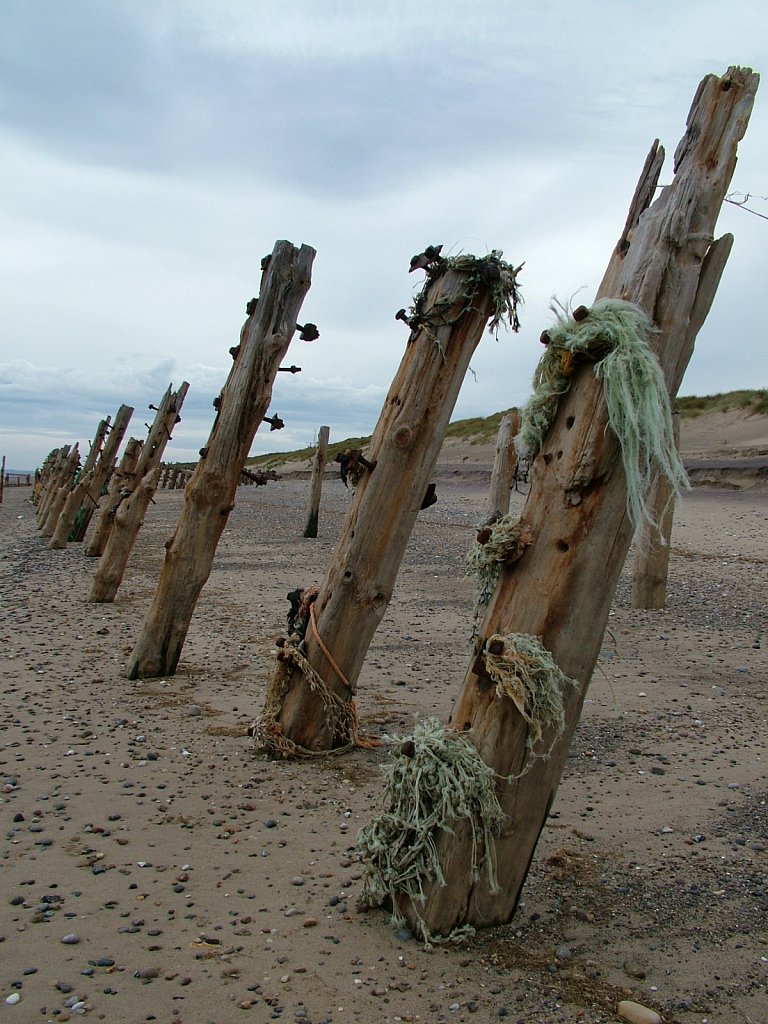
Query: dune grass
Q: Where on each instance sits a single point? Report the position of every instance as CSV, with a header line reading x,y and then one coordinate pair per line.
x,y
484,429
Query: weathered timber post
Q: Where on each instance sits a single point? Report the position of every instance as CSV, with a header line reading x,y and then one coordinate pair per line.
x,y
560,590
129,517
49,481
650,567
42,479
316,484
504,464
209,495
121,485
446,322
2,480
83,499
66,478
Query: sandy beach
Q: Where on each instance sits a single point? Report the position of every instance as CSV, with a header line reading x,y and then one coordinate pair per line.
x,y
156,867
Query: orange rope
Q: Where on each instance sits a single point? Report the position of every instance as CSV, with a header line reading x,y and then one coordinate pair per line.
x,y
366,742
325,650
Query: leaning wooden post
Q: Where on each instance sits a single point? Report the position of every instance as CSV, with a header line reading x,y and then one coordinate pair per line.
x,y
209,495
561,589
504,464
49,481
650,567
66,481
446,322
130,515
2,480
316,484
83,499
121,485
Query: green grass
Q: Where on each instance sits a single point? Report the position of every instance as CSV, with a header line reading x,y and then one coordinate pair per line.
x,y
752,402
484,429
273,459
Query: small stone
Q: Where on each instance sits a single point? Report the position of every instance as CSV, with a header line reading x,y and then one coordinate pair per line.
x,y
146,973
297,880
634,970
636,1013
563,953
71,940
12,999
310,922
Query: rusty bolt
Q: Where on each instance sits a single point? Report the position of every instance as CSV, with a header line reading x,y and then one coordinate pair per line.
x,y
496,647
545,338
308,332
580,313
408,749
484,535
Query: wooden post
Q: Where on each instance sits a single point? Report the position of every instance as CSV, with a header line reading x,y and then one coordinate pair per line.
x,y
130,515
504,464
121,485
83,499
562,587
447,324
42,479
209,495
49,481
650,567
2,480
316,484
65,482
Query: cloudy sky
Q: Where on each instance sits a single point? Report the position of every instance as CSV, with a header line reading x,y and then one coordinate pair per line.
x,y
154,150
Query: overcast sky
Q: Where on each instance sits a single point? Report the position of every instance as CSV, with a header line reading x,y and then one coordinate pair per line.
x,y
154,150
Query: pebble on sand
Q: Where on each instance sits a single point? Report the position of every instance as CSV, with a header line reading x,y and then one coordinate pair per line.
x,y
636,1013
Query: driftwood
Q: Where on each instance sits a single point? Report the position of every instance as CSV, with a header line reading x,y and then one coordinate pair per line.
x,y
121,484
562,587
650,567
447,323
84,497
316,483
209,496
504,465
60,486
129,517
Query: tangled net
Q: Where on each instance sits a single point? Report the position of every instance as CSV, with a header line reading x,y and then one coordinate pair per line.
x,y
490,272
340,714
437,780
498,544
615,335
525,672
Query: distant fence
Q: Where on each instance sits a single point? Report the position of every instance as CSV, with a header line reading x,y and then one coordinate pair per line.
x,y
19,479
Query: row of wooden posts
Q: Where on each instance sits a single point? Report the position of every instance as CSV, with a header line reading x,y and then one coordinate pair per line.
x,y
668,262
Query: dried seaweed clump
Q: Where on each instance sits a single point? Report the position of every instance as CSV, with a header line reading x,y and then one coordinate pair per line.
x,y
437,780
498,544
525,672
615,335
